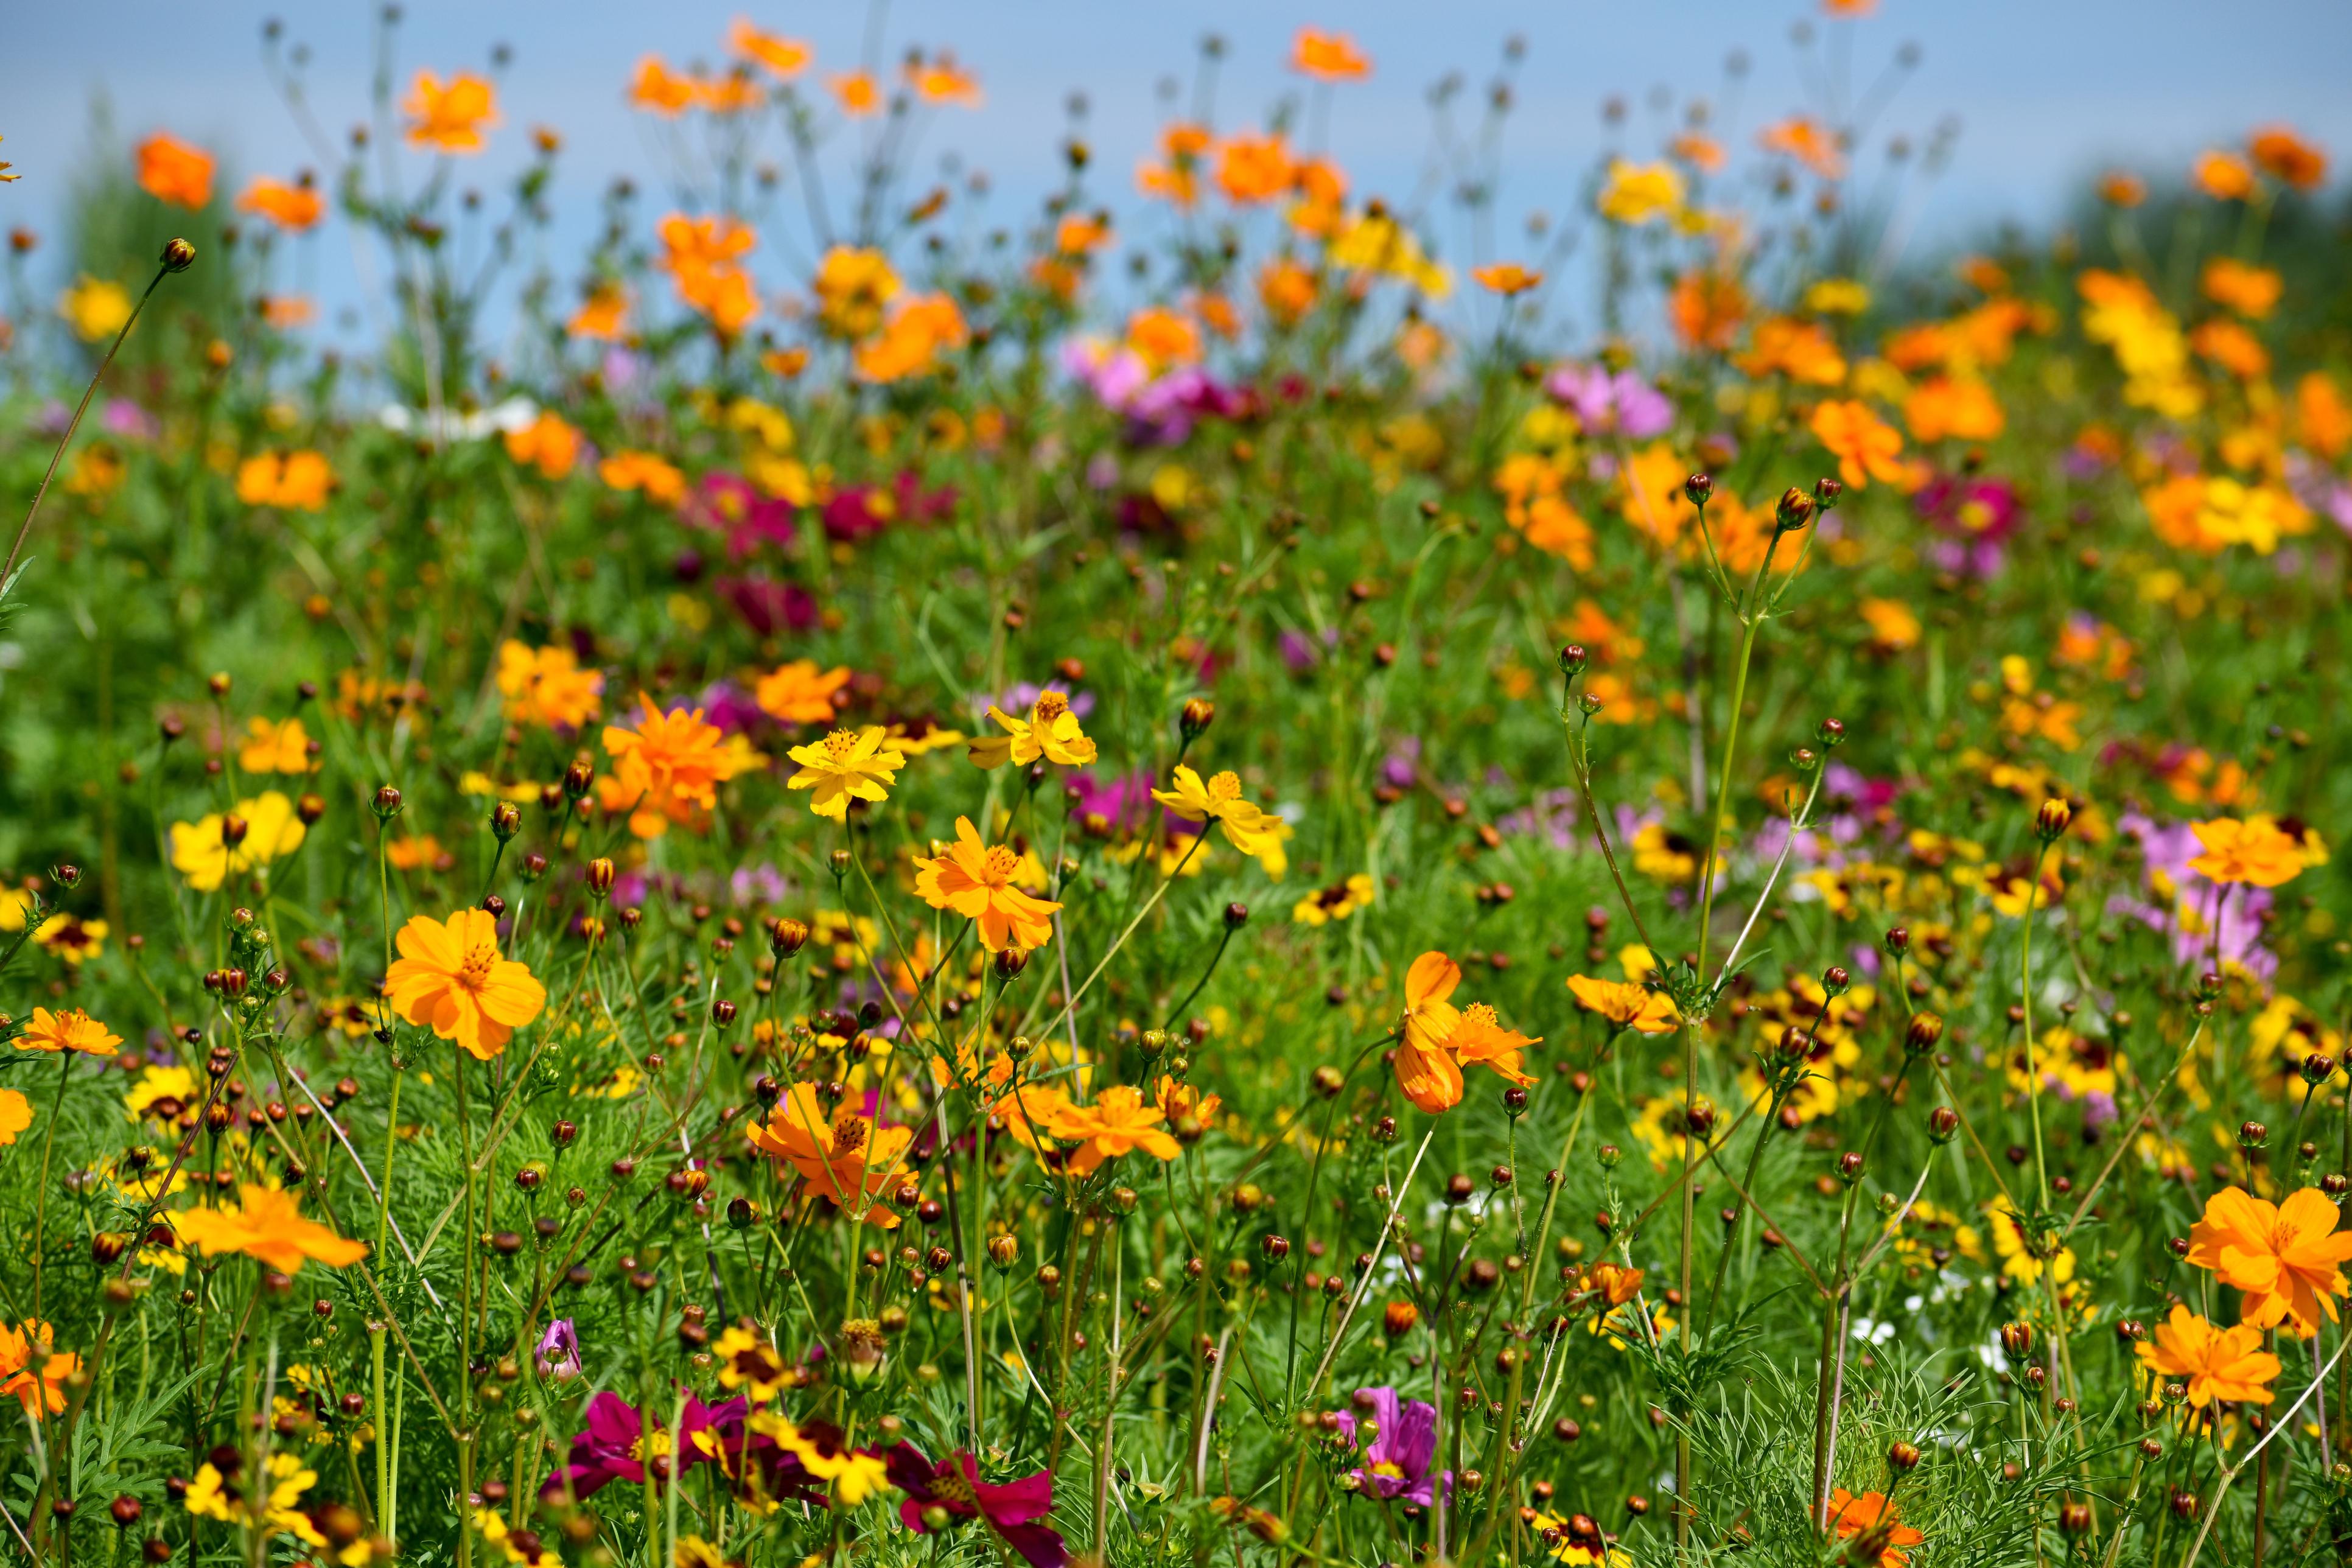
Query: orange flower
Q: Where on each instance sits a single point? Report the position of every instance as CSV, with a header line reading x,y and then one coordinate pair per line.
x,y
1179,1100
2224,176
2217,1363
785,58
702,257
668,768
1176,177
1872,1513
2255,852
976,880
847,1159
267,1223
547,685
548,444
1252,169
1952,408
2284,1256
295,207
450,117
941,80
1119,1122
1616,1283
1287,290
1329,56
33,1370
16,1115
798,693
2289,157
1425,1070
450,976
911,341
603,315
1162,338
72,1030
658,89
2252,291
626,470
1808,142
1506,277
175,171
1802,350
857,92
1482,1039
288,480
1625,1005
275,748
1707,308
1863,443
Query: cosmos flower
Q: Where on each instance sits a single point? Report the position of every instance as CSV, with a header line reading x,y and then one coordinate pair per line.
x,y
33,1369
1051,731
845,765
71,1030
2228,1364
1011,1510
217,846
449,117
2254,852
977,881
1625,1005
1120,1121
175,172
449,976
846,1158
1396,1463
1872,1515
292,207
266,1223
546,686
1247,827
2287,1257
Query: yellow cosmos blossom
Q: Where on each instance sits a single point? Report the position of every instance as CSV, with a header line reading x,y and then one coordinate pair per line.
x,y
266,1223
275,748
1247,827
217,846
1336,902
845,765
1051,731
979,881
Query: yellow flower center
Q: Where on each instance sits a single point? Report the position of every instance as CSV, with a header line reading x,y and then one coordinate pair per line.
x,y
1051,706
848,1134
996,868
474,973
1225,787
839,744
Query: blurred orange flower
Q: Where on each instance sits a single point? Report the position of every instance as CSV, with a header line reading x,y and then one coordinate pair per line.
x,y
548,443
658,89
267,1224
546,686
1808,142
1865,445
450,117
297,480
33,1370
857,92
1329,56
2289,157
1506,277
785,58
939,79
296,206
2224,176
175,171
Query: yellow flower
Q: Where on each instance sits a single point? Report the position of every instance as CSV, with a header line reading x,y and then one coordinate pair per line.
x,y
845,765
266,1223
1637,192
95,307
2255,852
215,847
977,881
72,1030
1626,1004
799,693
1247,827
547,685
275,748
1050,731
1336,902
2215,1362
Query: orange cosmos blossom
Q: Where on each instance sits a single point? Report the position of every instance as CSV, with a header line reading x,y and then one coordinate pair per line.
x,y
71,1030
857,92
295,207
1329,56
602,316
449,976
1120,1121
783,56
2216,1362
627,470
2289,157
847,1159
450,117
2284,1256
1437,1038
1506,279
940,79
1810,143
548,443
918,331
1954,408
175,171
1865,445
16,1115
267,1223
2255,852
33,1370
291,481
2224,176
547,685
669,767
976,880
799,693
1252,169
1851,1516
1625,1005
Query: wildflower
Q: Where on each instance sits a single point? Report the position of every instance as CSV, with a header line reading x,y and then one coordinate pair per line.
x,y
1951,408
939,79
1249,829
292,207
74,941
202,850
1329,56
1638,193
704,258
521,1547
798,693
558,1355
1808,142
856,91
175,172
95,307
1011,1509
1626,1004
1376,243
781,56
1865,445
2228,1364
549,443
1120,1121
1336,902
845,765
2254,852
1894,626
290,480
747,1360
660,481
1802,350
2252,291
2288,157
1481,1039
1253,169
1425,1070
1506,279
1396,1463
449,118
619,1439
33,1369
1051,731
1873,1514
847,1159
918,331
976,880
602,317
266,1223
449,976
668,768
16,1115
2224,176
71,1030
546,686
2284,1256
275,748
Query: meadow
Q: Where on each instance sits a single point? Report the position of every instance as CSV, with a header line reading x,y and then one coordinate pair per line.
x,y
834,884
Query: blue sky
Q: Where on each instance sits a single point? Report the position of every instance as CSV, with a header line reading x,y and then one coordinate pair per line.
x,y
2044,92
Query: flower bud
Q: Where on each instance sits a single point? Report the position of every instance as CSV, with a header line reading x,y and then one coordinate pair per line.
x,y
1832,733
1903,1456
233,830
1827,493
1193,721
1009,962
309,809
2017,1339
599,875
178,255
2050,821
387,804
1898,941
2252,1135
1400,1319
505,820
578,779
1920,1037
1850,1167
1572,659
1699,488
1943,1123
1794,511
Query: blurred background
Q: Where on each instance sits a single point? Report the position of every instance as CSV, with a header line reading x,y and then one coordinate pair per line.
x,y
2022,103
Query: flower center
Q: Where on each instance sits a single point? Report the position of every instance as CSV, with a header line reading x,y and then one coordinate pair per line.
x,y
839,744
1051,706
848,1134
996,868
474,973
949,1486
1225,787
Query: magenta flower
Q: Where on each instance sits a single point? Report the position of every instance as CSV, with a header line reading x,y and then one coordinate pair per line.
x,y
1396,1463
1623,403
621,1443
767,605
1011,1509
559,1350
731,505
